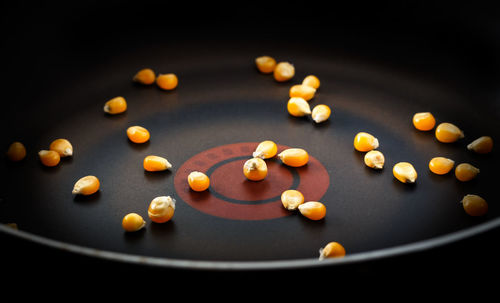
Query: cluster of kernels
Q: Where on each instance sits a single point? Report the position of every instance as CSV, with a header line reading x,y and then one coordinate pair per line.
x,y
474,205
466,172
481,145
138,134
374,159
448,133
198,181
298,107
321,113
291,199
405,172
295,157
62,146
133,222
16,151
441,165
265,64
86,186
167,81
283,71
311,81
115,106
305,92
145,76
265,150
161,209
156,163
364,142
49,157
424,121
255,169
313,210
332,250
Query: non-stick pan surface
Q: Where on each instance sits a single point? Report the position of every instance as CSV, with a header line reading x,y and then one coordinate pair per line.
x,y
211,122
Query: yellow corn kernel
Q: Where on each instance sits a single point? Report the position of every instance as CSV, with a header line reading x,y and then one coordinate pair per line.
x,y
474,205
49,157
374,159
255,169
156,163
283,71
311,81
62,146
133,222
313,210
298,107
466,172
481,145
167,81
404,172
198,181
265,64
145,76
303,91
265,150
321,113
115,106
424,121
364,142
291,199
332,250
441,165
86,186
295,157
161,209
138,134
16,151
448,133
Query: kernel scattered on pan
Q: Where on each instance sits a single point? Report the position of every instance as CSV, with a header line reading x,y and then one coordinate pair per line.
x,y
161,209
145,76
303,91
481,145
332,250
291,199
311,81
16,151
138,134
321,113
298,107
364,142
115,106
474,205
424,121
265,150
49,158
62,146
441,165
167,81
255,169
284,71
313,210
265,64
87,185
198,181
133,222
374,159
404,172
156,163
448,133
295,157
466,172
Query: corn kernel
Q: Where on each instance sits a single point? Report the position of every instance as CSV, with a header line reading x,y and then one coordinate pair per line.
x,y
283,71
313,210
332,250
156,163
291,199
115,106
138,134
441,165
298,107
49,157
167,81
404,172
295,157
62,146
374,159
424,121
161,209
448,133
321,113
481,145
364,142
311,81
303,91
86,186
133,222
145,76
265,150
474,205
265,64
198,181
466,172
255,169
16,151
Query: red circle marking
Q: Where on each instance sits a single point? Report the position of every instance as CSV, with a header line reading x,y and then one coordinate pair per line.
x,y
227,180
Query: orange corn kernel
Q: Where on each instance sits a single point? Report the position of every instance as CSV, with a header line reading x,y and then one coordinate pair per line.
x,y
364,142
311,81
133,222
16,152
481,145
145,76
374,159
466,172
313,210
474,205
332,250
404,172
115,106
255,169
161,209
291,199
321,113
424,121
265,64
138,134
298,107
295,157
62,146
283,71
86,186
198,181
49,157
156,163
167,81
265,150
441,165
448,133
303,91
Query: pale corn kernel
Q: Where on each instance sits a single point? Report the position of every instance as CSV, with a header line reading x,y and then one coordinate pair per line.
x,y
404,172
364,142
115,106
138,134
161,209
295,157
332,250
298,107
424,121
49,157
474,205
374,159
198,181
62,146
156,163
291,199
167,81
133,222
86,186
441,165
321,113
311,81
265,64
448,133
283,71
466,172
145,76
313,210
303,91
481,145
16,151
265,150
255,169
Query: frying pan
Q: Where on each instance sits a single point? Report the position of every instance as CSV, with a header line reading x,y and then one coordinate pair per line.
x,y
377,67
